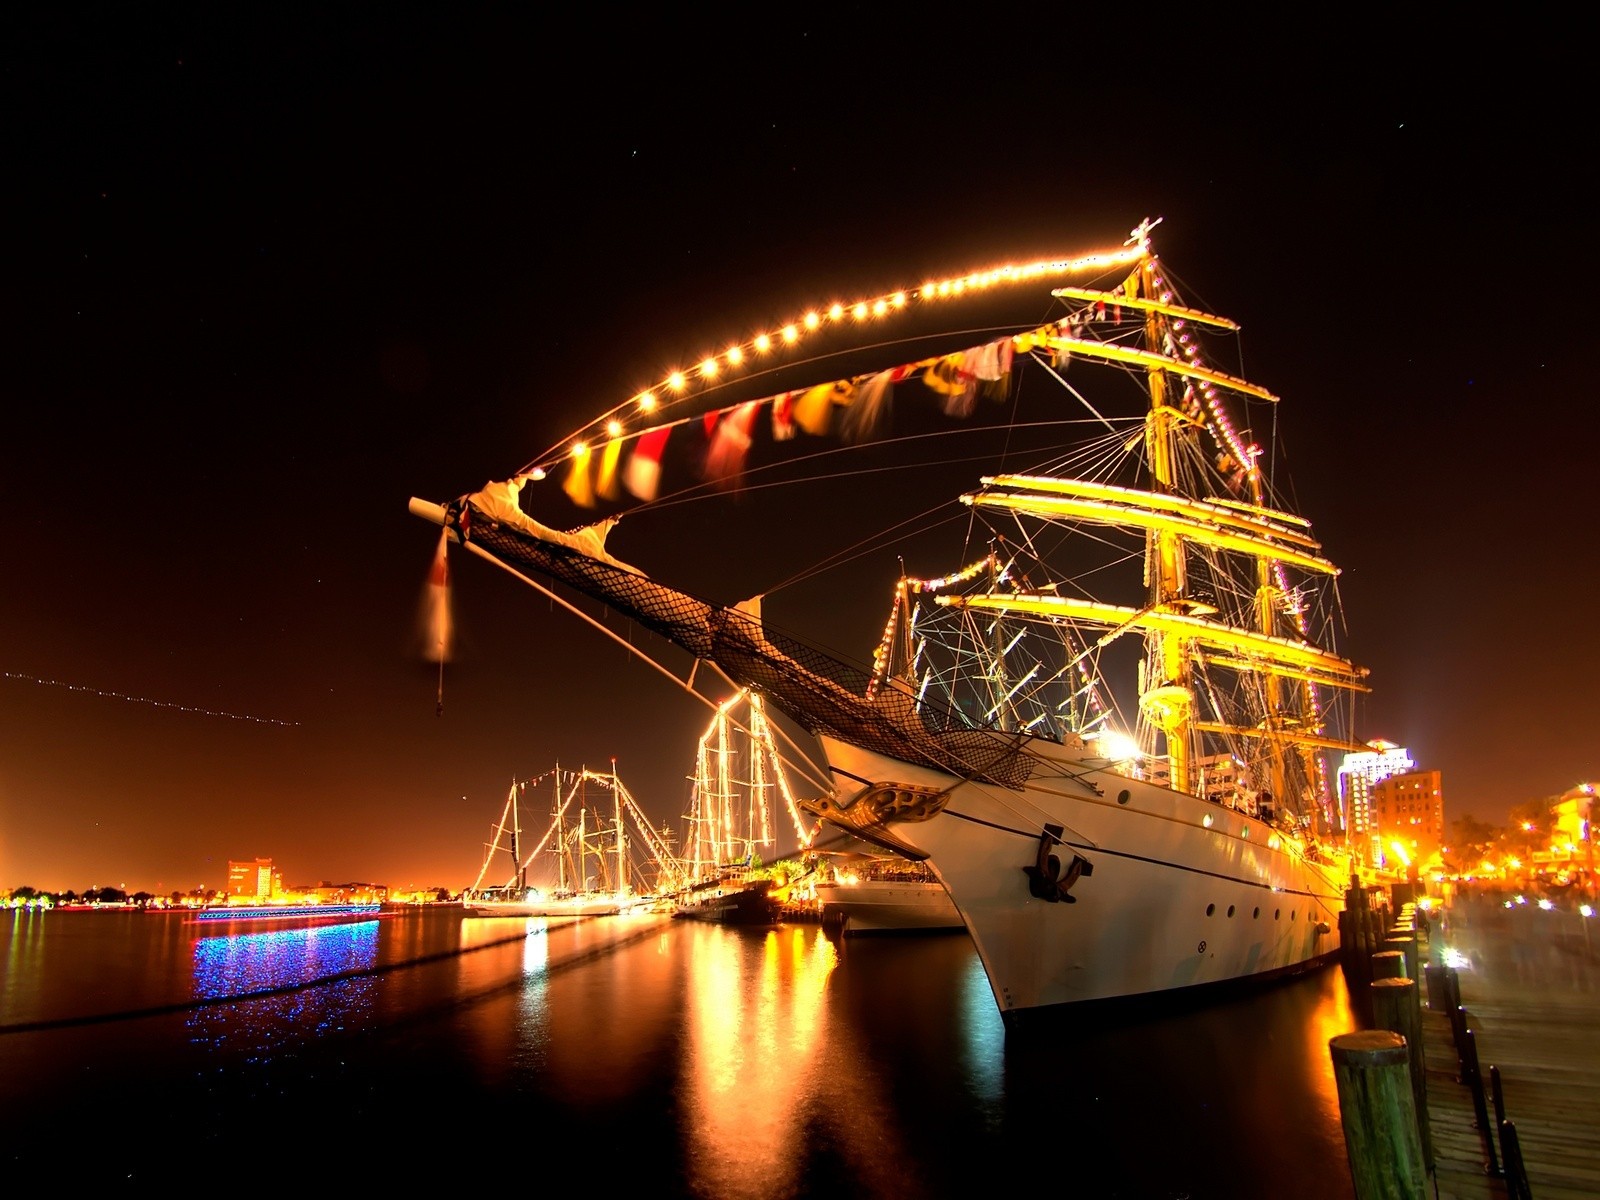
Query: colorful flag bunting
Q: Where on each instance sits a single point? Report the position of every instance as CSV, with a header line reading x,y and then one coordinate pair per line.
x,y
579,487
643,475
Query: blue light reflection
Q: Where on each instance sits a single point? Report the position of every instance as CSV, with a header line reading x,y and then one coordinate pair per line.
x,y
293,985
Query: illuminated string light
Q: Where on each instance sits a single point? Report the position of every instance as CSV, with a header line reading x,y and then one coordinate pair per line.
x,y
108,695
895,300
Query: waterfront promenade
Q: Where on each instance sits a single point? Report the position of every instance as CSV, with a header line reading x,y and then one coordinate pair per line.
x,y
1529,985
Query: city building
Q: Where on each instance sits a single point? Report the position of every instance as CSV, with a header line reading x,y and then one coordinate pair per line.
x,y
1408,815
1358,772
1571,851
254,879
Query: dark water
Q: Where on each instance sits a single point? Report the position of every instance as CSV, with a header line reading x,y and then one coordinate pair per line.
x,y
633,1055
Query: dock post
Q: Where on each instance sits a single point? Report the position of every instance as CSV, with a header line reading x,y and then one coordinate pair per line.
x,y
1388,964
1407,944
1376,1105
1438,987
1394,1007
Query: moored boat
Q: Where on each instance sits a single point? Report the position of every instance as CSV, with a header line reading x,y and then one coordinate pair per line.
x,y
288,914
1104,725
534,902
593,871
730,900
885,894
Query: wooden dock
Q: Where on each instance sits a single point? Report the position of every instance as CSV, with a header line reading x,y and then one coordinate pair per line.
x,y
1529,987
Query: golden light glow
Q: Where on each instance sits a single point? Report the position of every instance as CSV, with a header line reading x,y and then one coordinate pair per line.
x,y
647,402
1400,853
899,298
1118,746
613,427
579,448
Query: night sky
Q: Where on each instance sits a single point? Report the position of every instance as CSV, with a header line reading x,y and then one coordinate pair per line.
x,y
268,277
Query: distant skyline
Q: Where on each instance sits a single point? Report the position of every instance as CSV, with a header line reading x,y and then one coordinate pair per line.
x,y
270,277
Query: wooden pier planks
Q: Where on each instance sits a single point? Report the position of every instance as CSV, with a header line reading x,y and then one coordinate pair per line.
x,y
1531,992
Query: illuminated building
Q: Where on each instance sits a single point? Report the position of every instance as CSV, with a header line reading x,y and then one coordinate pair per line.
x,y
1358,773
253,878
1408,808
1572,838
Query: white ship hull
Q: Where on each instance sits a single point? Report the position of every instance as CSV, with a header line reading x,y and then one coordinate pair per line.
x,y
1182,891
575,906
887,906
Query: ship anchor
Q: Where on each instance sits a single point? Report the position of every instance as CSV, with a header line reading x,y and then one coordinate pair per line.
x,y
1044,874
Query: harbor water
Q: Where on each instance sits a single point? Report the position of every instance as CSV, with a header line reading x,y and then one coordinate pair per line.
x,y
634,1054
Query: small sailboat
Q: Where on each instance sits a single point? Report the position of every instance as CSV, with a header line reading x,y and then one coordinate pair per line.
x,y
588,869
1103,715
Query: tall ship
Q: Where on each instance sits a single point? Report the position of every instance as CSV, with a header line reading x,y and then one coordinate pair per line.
x,y
1101,713
583,864
740,794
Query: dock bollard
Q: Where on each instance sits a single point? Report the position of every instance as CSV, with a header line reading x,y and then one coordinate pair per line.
x,y
1372,1069
1438,987
1407,945
1394,1007
1389,964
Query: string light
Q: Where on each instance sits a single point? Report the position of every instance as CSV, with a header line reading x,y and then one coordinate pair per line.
x,y
896,300
108,695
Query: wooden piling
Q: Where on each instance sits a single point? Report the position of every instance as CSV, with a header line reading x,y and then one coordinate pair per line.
x,y
1372,1069
1407,944
1388,964
1438,987
1395,1008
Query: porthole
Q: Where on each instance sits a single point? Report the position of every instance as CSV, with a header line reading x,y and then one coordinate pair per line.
x,y
1291,914
1255,914
1276,913
1210,908
1230,910
1124,796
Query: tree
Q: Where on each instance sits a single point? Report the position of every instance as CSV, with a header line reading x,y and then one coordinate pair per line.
x,y
1531,824
1471,840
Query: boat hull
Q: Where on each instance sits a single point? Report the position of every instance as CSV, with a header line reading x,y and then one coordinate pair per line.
x,y
576,906
1177,892
735,904
887,906
287,914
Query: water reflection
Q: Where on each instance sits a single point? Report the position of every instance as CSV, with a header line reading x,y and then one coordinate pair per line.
x,y
270,972
757,1013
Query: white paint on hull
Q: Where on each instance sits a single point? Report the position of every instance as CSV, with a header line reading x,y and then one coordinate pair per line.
x,y
1172,902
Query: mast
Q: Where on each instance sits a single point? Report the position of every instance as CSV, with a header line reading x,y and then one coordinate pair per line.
x,y
622,834
519,872
561,836
1166,691
583,847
